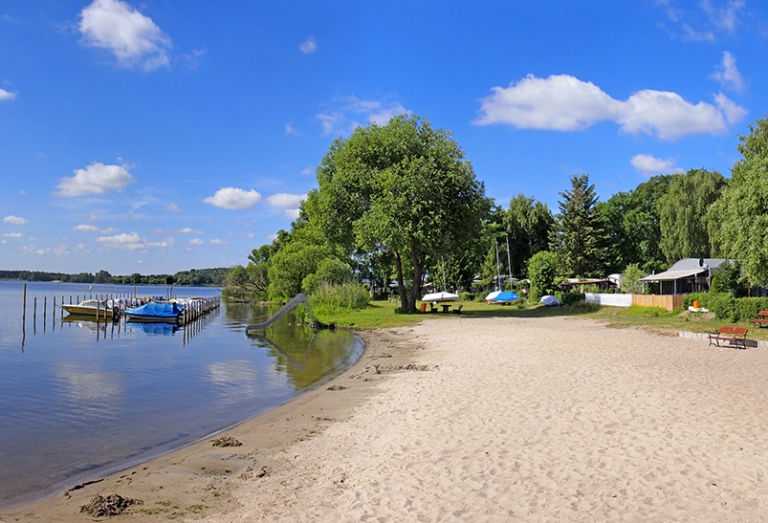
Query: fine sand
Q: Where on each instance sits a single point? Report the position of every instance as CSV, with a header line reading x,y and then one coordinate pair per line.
x,y
483,420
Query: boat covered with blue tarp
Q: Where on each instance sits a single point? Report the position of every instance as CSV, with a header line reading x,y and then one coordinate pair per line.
x,y
155,312
502,297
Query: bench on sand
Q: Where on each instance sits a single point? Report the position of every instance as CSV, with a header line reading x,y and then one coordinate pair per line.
x,y
762,320
733,335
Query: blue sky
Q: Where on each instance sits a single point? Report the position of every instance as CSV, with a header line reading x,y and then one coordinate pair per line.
x,y
156,136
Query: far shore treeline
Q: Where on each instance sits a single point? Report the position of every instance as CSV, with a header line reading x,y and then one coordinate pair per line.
x,y
194,277
399,205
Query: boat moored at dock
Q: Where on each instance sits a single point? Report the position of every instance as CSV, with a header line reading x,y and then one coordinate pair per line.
x,y
91,309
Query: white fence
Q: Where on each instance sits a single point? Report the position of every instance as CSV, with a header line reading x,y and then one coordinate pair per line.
x,y
614,300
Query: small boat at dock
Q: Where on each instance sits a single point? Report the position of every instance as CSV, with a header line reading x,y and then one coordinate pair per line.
x,y
155,312
91,309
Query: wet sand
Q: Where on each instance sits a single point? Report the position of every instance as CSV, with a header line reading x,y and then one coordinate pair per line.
x,y
500,419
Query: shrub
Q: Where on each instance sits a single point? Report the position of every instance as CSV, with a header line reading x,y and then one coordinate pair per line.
x,y
328,299
567,298
467,296
746,309
542,271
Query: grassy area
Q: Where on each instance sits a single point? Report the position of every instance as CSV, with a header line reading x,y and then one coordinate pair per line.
x,y
381,314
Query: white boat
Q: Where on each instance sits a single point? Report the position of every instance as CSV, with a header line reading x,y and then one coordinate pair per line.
x,y
440,296
90,309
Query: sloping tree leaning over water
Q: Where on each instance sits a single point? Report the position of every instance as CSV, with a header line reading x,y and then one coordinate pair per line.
x,y
402,188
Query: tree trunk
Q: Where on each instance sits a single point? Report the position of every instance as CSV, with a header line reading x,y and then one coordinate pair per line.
x,y
417,275
400,281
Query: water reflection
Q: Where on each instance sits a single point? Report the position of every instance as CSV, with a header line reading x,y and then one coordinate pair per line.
x,y
307,357
156,329
233,380
90,394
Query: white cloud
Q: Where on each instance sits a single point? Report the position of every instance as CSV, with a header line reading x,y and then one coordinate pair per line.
x,y
692,35
85,228
648,165
565,103
13,235
725,17
343,118
189,230
92,228
669,116
6,95
728,74
733,113
15,220
703,24
118,27
308,46
172,207
290,130
31,249
220,243
560,102
97,178
285,201
292,213
234,199
195,241
132,242
307,171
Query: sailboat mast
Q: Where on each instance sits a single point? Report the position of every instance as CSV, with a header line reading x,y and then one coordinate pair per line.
x,y
509,260
498,270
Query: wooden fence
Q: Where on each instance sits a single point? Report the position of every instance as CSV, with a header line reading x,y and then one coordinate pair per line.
x,y
670,302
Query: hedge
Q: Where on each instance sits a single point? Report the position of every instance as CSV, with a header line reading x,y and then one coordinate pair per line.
x,y
726,307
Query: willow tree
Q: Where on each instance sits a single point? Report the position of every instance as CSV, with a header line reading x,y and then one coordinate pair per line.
x,y
742,211
683,214
403,188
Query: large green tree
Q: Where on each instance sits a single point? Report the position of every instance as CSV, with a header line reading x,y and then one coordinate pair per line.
x,y
528,224
577,238
404,188
632,225
683,214
742,211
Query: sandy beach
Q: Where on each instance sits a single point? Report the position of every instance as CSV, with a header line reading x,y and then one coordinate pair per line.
x,y
483,420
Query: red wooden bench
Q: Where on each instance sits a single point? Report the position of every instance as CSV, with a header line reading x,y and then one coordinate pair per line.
x,y
762,320
733,335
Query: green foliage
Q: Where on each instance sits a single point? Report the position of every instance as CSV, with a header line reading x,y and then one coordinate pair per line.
x,y
568,298
330,299
742,211
578,235
683,214
329,272
729,279
247,283
631,283
631,221
542,271
291,265
466,296
726,307
404,188
528,224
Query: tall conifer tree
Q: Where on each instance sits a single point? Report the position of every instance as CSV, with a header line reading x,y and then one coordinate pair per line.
x,y
577,238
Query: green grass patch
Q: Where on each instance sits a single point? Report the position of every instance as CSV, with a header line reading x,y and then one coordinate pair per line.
x,y
381,314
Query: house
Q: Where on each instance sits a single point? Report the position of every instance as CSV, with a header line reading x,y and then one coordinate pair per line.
x,y
686,276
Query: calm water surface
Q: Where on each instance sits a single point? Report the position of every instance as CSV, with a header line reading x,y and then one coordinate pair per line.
x,y
78,402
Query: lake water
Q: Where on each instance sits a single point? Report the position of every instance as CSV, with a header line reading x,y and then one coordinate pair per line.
x,y
79,401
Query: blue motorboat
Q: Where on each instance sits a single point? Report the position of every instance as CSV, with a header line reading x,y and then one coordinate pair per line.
x,y
155,312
